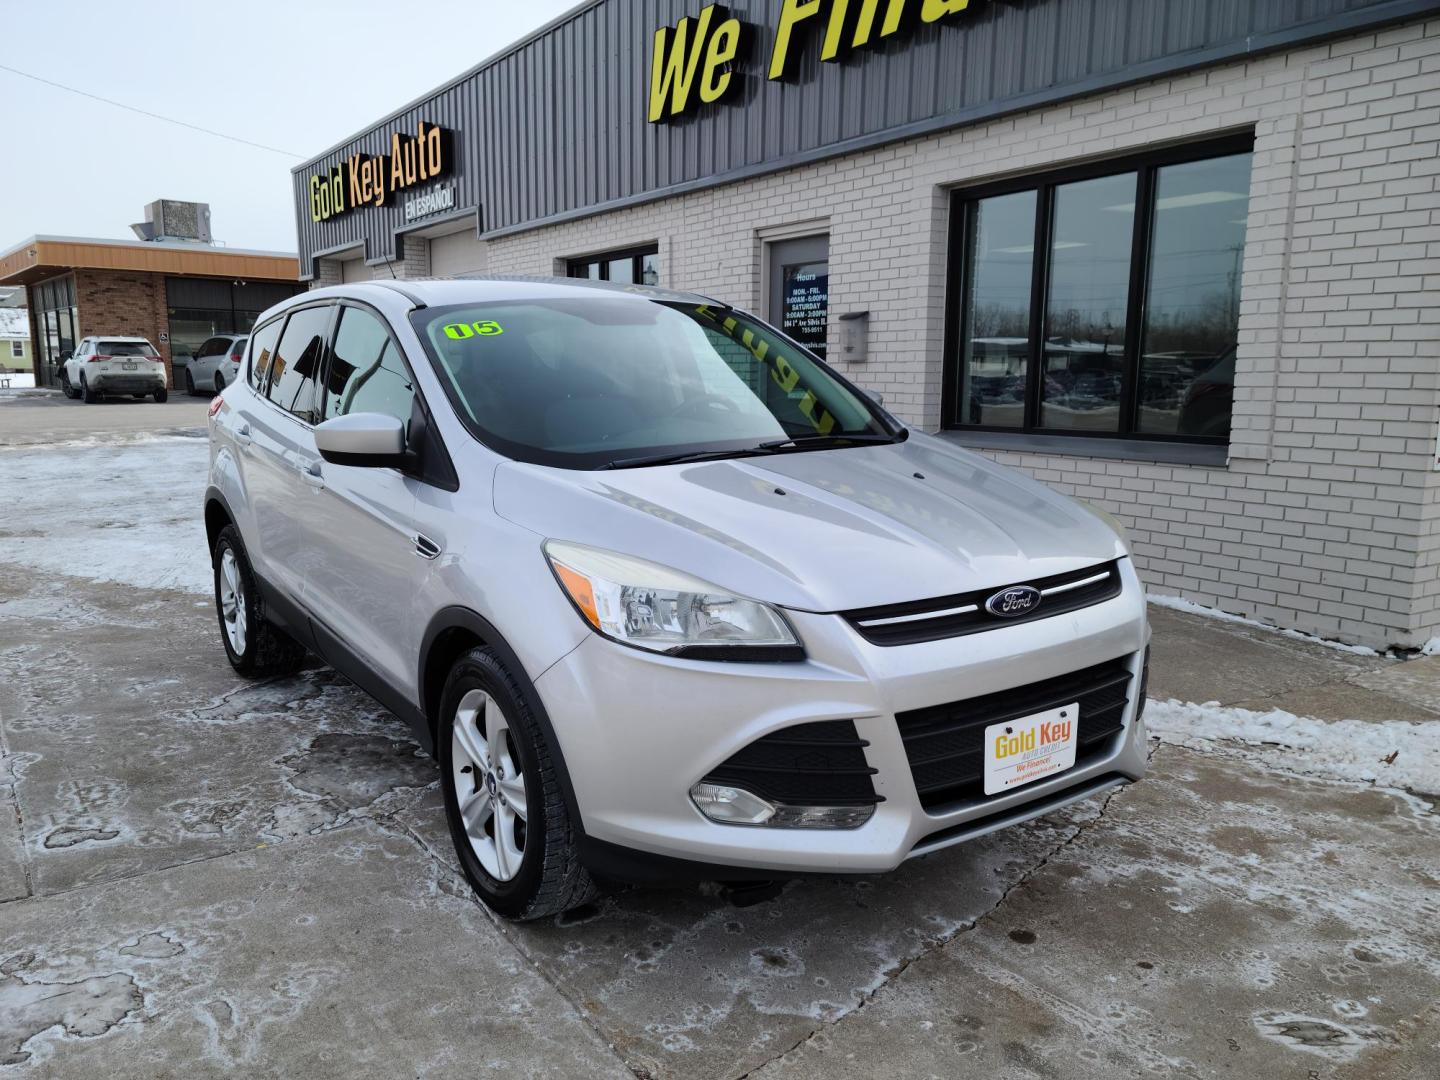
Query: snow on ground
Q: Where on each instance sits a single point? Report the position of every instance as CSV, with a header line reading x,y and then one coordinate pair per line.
x,y
1176,603
1394,754
125,512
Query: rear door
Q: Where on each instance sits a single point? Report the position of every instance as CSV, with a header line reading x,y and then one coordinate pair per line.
x,y
363,590
281,456
202,367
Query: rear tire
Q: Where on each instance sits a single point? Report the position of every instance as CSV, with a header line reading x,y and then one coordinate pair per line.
x,y
161,396
254,645
90,396
219,382
189,383
496,764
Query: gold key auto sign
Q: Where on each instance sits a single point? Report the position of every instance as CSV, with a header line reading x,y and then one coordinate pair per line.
x,y
373,179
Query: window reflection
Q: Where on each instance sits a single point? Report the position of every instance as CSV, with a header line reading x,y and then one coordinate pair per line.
x,y
1088,303
1187,363
998,314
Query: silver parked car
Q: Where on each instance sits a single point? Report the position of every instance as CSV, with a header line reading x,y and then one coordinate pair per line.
x,y
663,594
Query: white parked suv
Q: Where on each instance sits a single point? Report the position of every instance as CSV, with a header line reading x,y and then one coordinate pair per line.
x,y
215,364
663,594
102,366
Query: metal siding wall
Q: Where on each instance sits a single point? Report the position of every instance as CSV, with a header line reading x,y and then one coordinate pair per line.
x,y
558,124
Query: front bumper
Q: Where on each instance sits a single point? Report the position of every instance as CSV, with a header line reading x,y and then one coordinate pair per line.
x,y
639,729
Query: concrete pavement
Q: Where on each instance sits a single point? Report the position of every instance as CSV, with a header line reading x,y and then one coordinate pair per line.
x,y
202,876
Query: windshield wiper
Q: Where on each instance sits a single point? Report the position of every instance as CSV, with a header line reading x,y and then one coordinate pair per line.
x,y
684,458
798,442
803,442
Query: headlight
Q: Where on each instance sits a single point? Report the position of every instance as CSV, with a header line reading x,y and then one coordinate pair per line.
x,y
653,607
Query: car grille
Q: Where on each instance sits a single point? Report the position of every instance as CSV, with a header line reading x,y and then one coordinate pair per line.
x,y
820,764
945,743
965,613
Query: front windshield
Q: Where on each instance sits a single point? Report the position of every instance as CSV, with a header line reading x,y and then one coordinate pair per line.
x,y
584,382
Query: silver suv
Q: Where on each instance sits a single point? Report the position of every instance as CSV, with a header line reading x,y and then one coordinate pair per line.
x,y
664,595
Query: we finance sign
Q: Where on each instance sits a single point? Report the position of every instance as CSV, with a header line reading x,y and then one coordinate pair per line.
x,y
698,60
378,179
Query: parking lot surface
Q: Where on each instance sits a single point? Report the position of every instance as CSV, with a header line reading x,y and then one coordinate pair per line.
x,y
203,876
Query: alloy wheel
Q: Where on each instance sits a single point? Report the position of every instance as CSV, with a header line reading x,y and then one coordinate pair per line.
x,y
489,785
232,601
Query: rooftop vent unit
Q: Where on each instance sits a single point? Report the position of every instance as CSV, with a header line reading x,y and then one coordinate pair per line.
x,y
170,219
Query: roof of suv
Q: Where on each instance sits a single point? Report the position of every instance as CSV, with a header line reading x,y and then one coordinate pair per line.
x,y
441,292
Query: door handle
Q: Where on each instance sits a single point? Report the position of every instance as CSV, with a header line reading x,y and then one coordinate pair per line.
x,y
243,436
426,548
312,475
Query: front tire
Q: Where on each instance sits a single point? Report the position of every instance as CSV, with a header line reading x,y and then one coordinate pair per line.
x,y
189,383
90,396
503,800
254,645
69,391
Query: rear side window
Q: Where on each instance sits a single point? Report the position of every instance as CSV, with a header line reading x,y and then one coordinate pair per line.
x,y
264,352
214,347
297,362
367,373
125,348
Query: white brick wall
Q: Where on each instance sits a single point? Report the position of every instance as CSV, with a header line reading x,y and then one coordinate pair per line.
x,y
1327,517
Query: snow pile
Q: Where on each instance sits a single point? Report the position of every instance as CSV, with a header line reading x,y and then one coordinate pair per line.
x,y
18,380
1393,754
128,512
1176,603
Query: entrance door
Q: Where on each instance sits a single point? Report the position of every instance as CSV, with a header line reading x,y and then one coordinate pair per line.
x,y
799,301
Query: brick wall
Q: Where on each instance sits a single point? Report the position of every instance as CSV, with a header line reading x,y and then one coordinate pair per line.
x,y
125,305
1327,516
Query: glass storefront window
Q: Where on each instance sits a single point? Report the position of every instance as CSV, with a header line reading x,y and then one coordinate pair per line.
x,y
55,322
997,348
633,267
1192,309
1131,307
1087,304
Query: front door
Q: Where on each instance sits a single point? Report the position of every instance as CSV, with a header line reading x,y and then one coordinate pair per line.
x,y
278,447
799,301
366,598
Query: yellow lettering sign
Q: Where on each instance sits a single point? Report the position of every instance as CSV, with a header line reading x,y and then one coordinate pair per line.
x,y
792,14
696,55
369,180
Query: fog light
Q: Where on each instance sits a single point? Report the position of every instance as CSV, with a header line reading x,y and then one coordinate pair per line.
x,y
731,805
736,806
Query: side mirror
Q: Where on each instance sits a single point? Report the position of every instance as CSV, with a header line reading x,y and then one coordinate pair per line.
x,y
65,356
363,440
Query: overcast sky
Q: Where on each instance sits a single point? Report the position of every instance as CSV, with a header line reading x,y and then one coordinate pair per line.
x,y
299,75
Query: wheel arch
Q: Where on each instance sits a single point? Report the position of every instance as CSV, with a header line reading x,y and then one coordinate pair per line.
x,y
217,516
453,632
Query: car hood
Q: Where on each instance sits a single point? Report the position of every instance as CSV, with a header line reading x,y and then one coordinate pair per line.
x,y
825,530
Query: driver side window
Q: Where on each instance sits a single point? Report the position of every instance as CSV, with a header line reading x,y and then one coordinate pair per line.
x,y
367,373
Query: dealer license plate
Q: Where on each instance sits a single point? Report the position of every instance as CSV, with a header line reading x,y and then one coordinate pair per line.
x,y
1019,752
129,365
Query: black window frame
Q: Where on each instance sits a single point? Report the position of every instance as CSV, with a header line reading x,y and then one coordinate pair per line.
x,y
963,201
579,267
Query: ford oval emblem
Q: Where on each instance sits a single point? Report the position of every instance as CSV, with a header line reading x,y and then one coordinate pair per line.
x,y
1013,602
